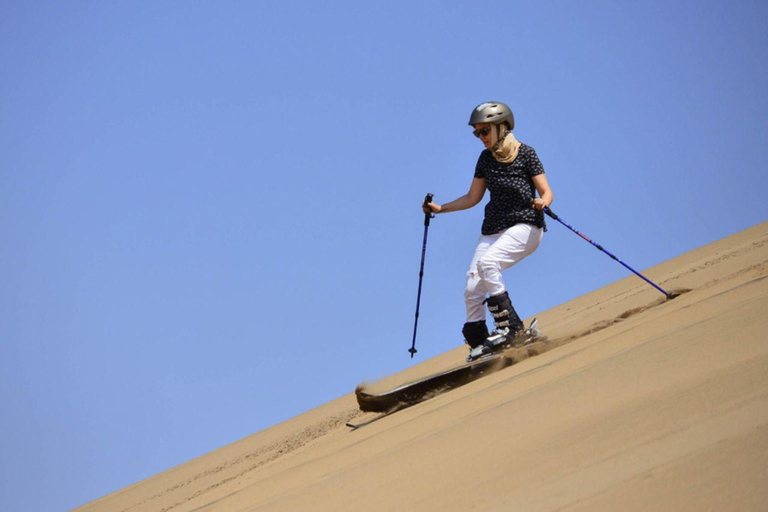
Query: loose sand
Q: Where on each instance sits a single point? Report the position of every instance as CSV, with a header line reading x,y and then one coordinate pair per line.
x,y
634,404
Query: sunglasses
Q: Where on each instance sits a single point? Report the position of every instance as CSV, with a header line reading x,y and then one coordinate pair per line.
x,y
482,132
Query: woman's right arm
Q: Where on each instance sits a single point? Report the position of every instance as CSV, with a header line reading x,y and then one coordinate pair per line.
x,y
468,200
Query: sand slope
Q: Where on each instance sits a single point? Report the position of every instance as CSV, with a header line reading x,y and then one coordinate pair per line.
x,y
637,405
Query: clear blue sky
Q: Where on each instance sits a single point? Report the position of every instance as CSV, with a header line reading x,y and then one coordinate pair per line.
x,y
210,210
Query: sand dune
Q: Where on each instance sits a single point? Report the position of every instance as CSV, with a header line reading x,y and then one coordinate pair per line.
x,y
635,403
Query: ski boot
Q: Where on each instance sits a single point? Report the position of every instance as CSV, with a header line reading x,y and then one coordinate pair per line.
x,y
475,335
510,330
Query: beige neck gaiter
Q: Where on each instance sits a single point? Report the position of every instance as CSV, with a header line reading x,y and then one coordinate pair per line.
x,y
505,150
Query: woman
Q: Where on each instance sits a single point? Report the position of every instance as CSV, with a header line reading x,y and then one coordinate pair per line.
x,y
512,229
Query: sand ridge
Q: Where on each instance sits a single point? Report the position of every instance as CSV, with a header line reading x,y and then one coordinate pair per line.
x,y
635,402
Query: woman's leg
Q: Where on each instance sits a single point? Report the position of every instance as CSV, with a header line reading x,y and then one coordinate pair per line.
x,y
475,330
475,293
514,245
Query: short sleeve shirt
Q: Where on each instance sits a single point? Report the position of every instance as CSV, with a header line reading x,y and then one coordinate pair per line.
x,y
512,190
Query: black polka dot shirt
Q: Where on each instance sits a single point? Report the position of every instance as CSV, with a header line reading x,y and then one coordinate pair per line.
x,y
512,190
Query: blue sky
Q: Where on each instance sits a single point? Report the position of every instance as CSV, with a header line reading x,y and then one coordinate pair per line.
x,y
210,211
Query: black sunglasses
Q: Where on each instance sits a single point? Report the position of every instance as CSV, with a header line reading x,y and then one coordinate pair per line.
x,y
483,131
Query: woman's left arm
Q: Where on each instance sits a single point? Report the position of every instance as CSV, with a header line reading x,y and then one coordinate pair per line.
x,y
545,193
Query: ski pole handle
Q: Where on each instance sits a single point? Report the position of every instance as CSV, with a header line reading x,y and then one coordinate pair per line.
x,y
428,215
550,213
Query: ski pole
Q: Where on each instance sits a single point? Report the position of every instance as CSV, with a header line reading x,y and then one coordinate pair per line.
x,y
561,221
427,216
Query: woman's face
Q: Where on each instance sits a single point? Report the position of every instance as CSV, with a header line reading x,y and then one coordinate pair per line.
x,y
485,134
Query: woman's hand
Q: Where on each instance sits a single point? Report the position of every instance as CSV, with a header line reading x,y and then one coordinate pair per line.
x,y
539,204
431,208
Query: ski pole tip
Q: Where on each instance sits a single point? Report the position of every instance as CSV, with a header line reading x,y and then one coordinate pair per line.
x,y
412,351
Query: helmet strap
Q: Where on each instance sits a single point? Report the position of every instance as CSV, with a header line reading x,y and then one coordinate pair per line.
x,y
499,131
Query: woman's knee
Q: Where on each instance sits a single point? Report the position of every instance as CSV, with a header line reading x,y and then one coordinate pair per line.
x,y
486,265
473,292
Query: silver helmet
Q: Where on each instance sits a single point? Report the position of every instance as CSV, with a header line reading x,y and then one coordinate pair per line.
x,y
494,112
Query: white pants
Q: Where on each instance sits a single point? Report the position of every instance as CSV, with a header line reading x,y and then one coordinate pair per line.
x,y
495,253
